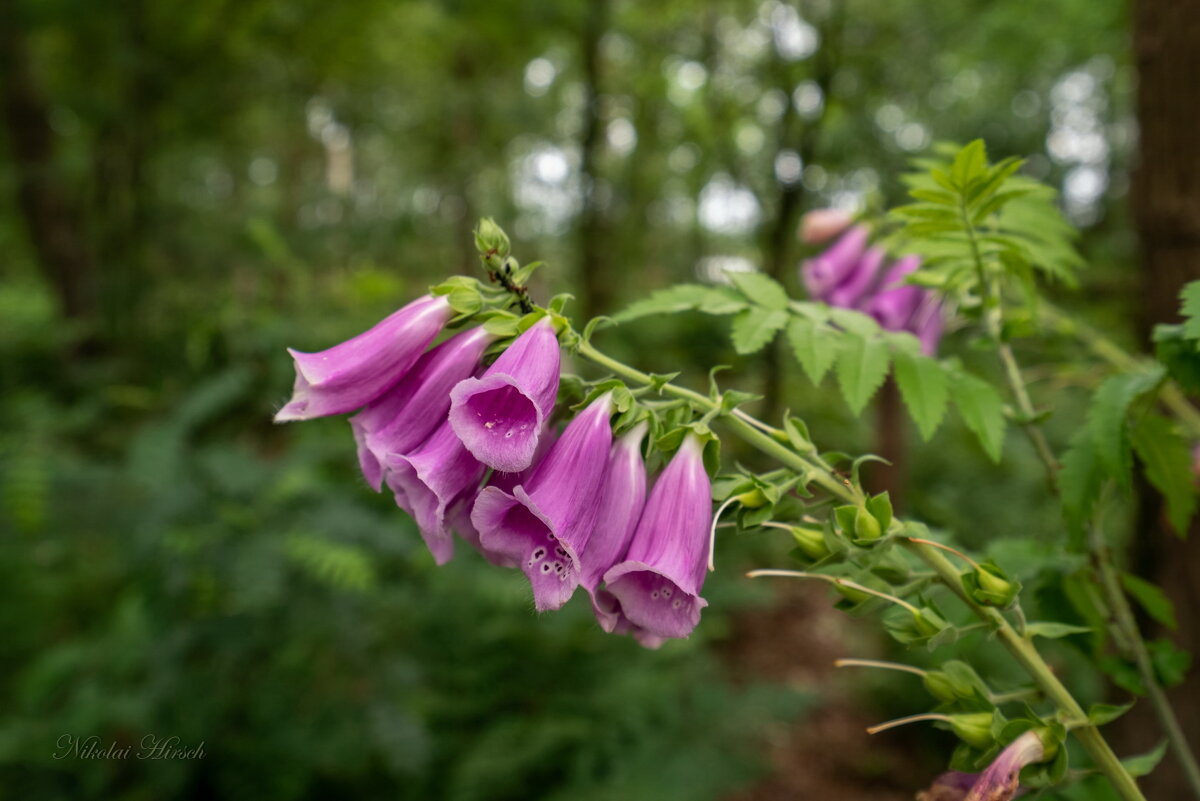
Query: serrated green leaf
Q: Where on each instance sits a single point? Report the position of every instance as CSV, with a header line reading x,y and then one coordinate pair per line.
x,y
1180,355
1168,463
1151,598
939,196
994,203
981,409
1170,663
862,365
754,328
814,346
969,163
760,289
1143,764
1190,296
1052,630
982,188
1078,481
1106,419
927,211
922,383
682,297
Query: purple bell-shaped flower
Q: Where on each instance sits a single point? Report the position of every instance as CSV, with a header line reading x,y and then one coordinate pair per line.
x,y
408,413
499,416
351,375
658,583
544,524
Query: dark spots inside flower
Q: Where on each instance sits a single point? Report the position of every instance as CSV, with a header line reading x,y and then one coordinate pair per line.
x,y
546,567
503,411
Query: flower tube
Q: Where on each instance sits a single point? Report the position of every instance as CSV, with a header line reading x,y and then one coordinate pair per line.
x,y
1001,781
499,416
458,515
821,225
428,480
408,413
658,584
620,509
927,324
824,272
858,280
544,524
893,305
351,375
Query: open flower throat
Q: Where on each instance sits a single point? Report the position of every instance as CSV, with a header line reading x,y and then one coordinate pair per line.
x,y
471,451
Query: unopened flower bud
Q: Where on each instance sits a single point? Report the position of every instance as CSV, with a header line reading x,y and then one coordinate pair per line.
x,y
810,541
941,686
821,225
993,589
866,527
928,622
752,499
491,241
973,728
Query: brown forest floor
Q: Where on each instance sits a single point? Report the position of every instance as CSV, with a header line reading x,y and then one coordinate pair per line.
x,y
827,753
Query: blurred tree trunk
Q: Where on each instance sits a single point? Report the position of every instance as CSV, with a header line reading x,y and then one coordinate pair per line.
x,y
1166,206
594,278
55,224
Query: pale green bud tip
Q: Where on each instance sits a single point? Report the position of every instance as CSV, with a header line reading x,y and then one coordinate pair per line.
x,y
974,728
940,686
811,541
866,526
994,584
491,241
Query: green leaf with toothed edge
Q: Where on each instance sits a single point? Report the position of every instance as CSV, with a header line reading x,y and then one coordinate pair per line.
x,y
814,346
683,297
922,383
981,409
761,290
1190,296
862,365
753,329
1168,462
1106,418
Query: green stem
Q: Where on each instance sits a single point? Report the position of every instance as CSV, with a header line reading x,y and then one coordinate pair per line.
x,y
1135,646
1129,636
1021,648
1027,655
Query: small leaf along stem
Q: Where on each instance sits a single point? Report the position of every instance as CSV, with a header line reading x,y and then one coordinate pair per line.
x,y
1021,648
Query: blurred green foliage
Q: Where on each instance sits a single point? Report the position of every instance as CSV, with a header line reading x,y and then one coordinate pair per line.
x,y
245,176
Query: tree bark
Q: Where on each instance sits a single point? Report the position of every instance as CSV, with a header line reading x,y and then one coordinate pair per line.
x,y
593,266
54,222
1166,198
